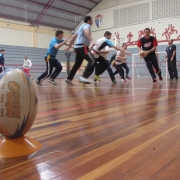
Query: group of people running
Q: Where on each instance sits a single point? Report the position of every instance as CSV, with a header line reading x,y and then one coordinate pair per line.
x,y
95,53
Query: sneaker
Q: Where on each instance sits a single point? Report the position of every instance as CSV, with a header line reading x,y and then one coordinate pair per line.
x,y
97,78
160,77
69,82
84,80
123,80
127,77
114,82
38,82
159,74
52,81
154,80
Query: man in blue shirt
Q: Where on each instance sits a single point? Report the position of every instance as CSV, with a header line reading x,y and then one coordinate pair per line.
x,y
84,38
50,59
2,60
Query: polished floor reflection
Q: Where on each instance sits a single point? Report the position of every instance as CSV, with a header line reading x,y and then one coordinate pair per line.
x,y
103,131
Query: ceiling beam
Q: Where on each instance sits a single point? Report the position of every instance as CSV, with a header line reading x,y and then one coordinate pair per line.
x,y
60,9
41,14
33,21
18,8
76,4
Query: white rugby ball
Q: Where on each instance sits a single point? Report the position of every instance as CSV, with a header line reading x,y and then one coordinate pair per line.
x,y
18,103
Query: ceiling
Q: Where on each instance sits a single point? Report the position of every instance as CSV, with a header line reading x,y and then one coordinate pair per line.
x,y
65,14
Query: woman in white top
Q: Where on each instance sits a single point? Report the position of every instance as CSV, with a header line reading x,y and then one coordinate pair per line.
x,y
26,66
121,63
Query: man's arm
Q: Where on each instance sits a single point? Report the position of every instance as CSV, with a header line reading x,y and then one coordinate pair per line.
x,y
73,39
57,46
139,44
154,47
139,48
71,42
119,49
67,44
104,52
87,34
151,50
174,53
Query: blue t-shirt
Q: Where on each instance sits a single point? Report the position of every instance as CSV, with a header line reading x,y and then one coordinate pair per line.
x,y
1,59
52,50
81,38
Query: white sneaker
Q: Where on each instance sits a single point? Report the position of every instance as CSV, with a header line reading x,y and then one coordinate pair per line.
x,y
84,80
69,82
122,80
52,81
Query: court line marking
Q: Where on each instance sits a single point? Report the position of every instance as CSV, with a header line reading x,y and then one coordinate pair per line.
x,y
109,87
94,104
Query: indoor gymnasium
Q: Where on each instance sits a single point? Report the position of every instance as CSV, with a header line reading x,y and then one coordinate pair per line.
x,y
89,90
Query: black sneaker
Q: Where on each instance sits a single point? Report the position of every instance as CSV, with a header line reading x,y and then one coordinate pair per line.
x,y
154,80
127,77
160,77
114,82
38,82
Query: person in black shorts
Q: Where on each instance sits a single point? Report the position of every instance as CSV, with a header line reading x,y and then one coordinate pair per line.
x,y
148,44
171,60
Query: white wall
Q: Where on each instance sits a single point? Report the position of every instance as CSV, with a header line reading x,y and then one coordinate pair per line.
x,y
16,33
16,37
106,8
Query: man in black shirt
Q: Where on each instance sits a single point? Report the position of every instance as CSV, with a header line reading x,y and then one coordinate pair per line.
x,y
2,60
171,60
148,44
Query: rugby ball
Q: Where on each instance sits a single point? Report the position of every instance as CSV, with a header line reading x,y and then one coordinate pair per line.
x,y
18,103
142,54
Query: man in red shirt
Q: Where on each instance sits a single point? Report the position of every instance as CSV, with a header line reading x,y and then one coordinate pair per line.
x,y
148,44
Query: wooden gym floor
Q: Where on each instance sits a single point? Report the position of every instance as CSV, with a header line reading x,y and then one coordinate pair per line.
x,y
102,131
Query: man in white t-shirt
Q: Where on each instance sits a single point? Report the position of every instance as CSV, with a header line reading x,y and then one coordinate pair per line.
x,y
104,53
97,50
26,66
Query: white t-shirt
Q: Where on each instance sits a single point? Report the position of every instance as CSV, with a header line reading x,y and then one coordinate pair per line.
x,y
105,55
27,63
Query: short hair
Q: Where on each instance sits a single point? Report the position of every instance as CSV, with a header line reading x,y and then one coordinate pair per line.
x,y
2,50
58,32
107,33
124,44
147,29
87,18
172,40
